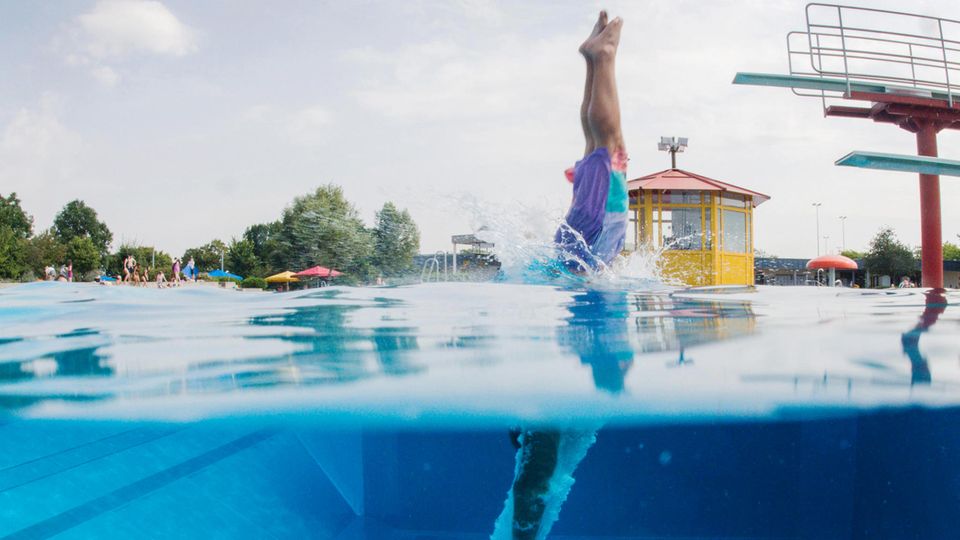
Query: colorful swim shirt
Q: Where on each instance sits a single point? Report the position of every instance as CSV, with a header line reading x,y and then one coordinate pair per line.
x,y
596,225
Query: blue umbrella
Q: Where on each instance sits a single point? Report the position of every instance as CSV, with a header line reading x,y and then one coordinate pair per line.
x,y
221,273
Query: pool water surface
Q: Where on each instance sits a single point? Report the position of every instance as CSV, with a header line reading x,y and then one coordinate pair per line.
x,y
465,410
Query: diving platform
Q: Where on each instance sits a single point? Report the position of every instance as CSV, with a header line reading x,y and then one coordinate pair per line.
x,y
890,67
850,89
806,82
899,162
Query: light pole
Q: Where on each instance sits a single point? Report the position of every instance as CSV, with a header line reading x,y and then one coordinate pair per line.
x,y
672,145
843,233
817,206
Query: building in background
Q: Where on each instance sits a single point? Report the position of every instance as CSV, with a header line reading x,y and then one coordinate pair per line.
x,y
703,226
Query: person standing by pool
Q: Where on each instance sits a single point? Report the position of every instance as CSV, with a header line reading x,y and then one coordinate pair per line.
x,y
593,232
70,271
191,271
175,272
129,268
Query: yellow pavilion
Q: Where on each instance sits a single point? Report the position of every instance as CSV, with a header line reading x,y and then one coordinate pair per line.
x,y
703,226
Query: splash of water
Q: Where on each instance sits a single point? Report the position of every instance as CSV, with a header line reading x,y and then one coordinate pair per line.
x,y
522,235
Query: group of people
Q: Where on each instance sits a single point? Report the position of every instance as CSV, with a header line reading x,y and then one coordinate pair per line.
x,y
50,273
137,275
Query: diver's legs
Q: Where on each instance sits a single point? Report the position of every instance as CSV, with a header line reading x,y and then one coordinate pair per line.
x,y
588,87
539,456
603,111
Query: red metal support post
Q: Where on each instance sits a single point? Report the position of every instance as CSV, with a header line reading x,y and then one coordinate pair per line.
x,y
930,230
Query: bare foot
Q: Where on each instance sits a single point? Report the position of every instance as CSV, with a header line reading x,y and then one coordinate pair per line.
x,y
597,28
605,43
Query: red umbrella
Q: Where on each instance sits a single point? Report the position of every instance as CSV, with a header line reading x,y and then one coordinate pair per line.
x,y
319,271
832,261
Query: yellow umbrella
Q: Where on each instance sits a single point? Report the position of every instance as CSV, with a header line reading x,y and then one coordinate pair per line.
x,y
283,277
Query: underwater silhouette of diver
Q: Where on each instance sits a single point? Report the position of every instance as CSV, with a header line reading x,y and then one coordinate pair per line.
x,y
547,456
935,305
595,227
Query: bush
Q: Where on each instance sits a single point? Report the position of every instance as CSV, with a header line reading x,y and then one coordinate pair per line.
x,y
253,283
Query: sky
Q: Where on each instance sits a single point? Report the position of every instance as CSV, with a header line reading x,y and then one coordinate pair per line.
x,y
181,121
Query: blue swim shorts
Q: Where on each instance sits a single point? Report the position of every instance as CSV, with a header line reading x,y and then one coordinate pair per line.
x,y
594,230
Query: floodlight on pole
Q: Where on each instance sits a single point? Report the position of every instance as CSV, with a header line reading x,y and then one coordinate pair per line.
x,y
673,145
843,233
817,206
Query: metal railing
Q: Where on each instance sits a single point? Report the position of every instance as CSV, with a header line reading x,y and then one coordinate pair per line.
x,y
431,268
906,52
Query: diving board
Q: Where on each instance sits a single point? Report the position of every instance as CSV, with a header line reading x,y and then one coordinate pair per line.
x,y
899,162
903,69
851,89
807,83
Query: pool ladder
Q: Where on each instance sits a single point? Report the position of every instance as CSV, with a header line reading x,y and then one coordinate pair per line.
x,y
431,268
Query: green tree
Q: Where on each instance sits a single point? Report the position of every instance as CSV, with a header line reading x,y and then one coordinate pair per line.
x,y
14,218
15,228
396,240
264,238
207,256
42,250
853,254
241,258
324,228
81,251
951,252
76,219
12,254
888,256
761,254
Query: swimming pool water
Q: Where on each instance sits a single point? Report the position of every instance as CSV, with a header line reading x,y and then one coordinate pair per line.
x,y
396,412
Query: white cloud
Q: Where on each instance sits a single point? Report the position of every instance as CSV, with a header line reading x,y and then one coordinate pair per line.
x,y
484,10
38,153
116,28
440,79
106,75
307,126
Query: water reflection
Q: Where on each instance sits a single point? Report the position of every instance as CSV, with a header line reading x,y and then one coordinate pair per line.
x,y
598,331
883,365
332,351
935,303
319,347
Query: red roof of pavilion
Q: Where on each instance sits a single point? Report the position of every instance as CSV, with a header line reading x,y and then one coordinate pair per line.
x,y
685,180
